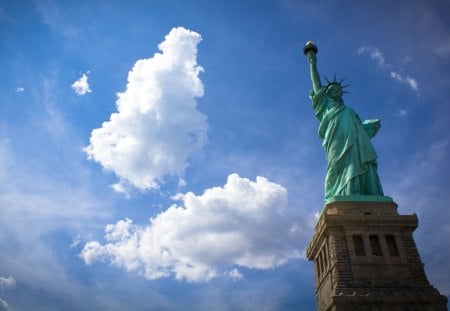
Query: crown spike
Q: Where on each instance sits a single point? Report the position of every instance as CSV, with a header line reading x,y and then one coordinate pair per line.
x,y
342,80
328,81
344,86
334,79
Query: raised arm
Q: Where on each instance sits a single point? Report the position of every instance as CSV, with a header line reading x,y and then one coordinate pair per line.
x,y
310,51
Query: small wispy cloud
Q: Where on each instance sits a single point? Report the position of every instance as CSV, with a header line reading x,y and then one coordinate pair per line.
x,y
75,242
81,86
3,305
442,47
375,54
412,83
181,183
378,57
235,275
402,112
396,76
20,89
7,282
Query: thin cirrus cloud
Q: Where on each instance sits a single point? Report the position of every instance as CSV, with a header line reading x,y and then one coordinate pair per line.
x,y
81,86
379,58
157,125
242,224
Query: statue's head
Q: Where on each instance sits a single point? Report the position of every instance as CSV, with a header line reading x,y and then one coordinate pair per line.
x,y
335,89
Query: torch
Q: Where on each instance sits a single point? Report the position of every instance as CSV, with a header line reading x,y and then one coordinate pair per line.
x,y
310,46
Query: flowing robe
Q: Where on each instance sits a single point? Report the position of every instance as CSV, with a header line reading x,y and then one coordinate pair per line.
x,y
351,158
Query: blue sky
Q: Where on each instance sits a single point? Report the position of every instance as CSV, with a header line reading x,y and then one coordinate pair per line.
x,y
163,155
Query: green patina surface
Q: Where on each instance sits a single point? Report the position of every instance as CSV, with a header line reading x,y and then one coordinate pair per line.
x,y
359,198
351,158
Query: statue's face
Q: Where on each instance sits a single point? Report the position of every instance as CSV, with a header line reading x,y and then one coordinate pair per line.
x,y
334,91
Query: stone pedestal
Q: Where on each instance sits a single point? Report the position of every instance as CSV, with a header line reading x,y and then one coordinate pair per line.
x,y
366,259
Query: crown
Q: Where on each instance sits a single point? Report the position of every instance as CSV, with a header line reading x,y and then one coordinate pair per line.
x,y
335,82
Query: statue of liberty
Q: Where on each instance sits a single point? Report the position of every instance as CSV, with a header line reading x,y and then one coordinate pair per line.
x,y
351,158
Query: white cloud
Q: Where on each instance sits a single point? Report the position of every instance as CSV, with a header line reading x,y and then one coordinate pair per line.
x,y
122,187
76,241
3,305
182,183
7,282
157,126
378,56
412,83
396,76
53,189
375,54
81,86
244,224
235,274
20,89
402,112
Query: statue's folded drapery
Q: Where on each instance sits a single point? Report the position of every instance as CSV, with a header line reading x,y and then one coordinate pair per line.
x,y
351,158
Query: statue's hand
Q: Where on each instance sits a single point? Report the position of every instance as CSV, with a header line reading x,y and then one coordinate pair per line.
x,y
311,56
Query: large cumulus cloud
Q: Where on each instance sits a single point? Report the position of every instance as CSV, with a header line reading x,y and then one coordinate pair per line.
x,y
157,125
242,224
